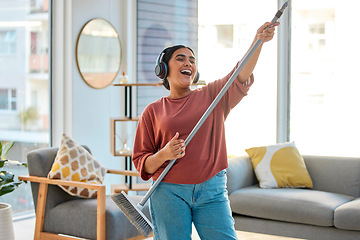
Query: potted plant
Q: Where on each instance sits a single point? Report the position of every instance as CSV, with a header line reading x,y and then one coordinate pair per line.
x,y
7,185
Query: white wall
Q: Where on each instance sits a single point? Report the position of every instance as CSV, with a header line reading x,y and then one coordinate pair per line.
x,y
79,110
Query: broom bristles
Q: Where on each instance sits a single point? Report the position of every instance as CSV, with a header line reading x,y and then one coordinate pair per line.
x,y
135,216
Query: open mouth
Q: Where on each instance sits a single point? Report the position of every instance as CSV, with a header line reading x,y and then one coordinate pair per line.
x,y
186,72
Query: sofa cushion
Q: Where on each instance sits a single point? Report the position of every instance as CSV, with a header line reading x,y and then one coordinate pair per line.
x,y
288,204
347,216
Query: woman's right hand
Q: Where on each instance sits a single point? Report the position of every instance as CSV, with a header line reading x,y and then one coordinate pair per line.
x,y
174,149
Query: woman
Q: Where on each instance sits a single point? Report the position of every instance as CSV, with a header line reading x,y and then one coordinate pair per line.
x,y
194,190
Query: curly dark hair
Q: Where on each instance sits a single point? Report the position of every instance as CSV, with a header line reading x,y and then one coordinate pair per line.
x,y
168,52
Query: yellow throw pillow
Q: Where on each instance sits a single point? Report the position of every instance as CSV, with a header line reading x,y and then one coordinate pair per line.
x,y
74,163
279,166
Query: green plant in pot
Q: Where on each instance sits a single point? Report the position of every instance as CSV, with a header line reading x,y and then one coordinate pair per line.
x,y
7,185
7,182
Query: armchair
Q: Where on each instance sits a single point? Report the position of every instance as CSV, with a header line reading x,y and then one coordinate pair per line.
x,y
62,216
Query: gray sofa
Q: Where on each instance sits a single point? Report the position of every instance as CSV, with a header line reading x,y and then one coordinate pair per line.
x,y
330,210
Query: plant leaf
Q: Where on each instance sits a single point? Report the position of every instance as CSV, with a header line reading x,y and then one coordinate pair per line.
x,y
12,162
7,188
6,177
5,148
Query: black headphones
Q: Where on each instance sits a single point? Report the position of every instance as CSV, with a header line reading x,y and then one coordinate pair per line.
x,y
162,69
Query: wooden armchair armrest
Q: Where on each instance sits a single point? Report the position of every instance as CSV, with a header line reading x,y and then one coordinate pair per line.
x,y
61,182
124,172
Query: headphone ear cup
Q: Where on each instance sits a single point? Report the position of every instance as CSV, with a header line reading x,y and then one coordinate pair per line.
x,y
158,69
197,77
161,70
165,70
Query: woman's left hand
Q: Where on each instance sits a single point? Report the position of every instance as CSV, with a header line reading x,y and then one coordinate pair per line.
x,y
266,34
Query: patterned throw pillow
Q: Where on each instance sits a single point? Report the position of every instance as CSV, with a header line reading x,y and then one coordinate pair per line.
x,y
278,166
74,163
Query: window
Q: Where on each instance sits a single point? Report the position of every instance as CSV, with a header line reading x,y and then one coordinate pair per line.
x,y
38,6
7,42
24,88
322,72
218,36
226,32
33,47
7,99
225,35
324,78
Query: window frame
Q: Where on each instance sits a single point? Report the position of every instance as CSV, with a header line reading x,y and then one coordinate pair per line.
x,y
284,76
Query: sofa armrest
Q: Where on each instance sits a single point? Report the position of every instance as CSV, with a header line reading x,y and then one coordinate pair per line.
x,y
240,173
334,174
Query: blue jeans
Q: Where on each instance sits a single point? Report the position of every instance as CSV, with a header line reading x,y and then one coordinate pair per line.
x,y
174,207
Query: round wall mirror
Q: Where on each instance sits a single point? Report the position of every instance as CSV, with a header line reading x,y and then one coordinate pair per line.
x,y
98,53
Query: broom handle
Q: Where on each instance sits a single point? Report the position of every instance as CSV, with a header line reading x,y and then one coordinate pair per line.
x,y
211,107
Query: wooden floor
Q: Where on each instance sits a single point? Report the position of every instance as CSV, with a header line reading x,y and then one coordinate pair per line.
x,y
24,230
255,236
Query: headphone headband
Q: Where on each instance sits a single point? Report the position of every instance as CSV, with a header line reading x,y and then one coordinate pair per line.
x,y
160,57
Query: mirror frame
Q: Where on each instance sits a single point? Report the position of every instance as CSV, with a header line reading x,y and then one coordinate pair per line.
x,y
108,82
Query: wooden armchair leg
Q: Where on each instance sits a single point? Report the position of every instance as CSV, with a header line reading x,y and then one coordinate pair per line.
x,y
40,210
101,214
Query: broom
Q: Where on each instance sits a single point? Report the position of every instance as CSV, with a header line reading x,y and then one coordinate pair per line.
x,y
130,209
